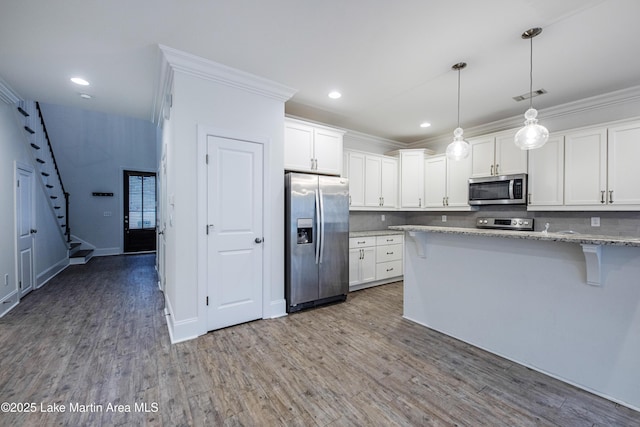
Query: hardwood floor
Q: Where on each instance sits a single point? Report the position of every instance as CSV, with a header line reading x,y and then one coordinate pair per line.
x,y
96,334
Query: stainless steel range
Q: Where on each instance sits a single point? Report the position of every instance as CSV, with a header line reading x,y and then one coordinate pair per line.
x,y
521,224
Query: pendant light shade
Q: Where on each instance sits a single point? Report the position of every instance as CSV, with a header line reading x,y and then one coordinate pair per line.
x,y
458,149
532,135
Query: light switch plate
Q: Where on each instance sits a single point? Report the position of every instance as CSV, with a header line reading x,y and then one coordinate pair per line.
x,y
595,221
382,218
444,218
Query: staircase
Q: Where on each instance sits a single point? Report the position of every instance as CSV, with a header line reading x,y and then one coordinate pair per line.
x,y
47,169
78,255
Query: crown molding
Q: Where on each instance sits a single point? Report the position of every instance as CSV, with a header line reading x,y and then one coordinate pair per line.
x,y
7,94
598,102
196,66
375,140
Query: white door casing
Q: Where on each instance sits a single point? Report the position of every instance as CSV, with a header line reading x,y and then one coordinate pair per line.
x,y
235,255
162,222
25,228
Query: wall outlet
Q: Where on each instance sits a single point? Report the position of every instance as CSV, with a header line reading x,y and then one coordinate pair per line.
x,y
444,218
595,221
382,218
107,213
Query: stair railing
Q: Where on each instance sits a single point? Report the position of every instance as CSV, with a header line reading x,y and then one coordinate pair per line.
x,y
67,231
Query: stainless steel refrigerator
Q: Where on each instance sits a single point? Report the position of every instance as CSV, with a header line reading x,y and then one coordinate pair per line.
x,y
317,240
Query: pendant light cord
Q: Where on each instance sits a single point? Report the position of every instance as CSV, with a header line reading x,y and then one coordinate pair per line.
x,y
531,74
458,97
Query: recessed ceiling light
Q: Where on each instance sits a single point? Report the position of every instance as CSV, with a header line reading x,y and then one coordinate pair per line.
x,y
80,81
425,125
85,96
335,94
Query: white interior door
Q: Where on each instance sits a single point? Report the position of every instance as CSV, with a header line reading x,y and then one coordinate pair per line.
x,y
235,231
25,229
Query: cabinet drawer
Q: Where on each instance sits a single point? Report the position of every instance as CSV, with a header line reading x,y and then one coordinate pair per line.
x,y
386,253
361,242
389,240
384,270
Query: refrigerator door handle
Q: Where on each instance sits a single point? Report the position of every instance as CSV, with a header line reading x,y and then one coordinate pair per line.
x,y
321,226
317,228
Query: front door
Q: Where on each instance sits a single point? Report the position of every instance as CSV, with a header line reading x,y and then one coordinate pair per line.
x,y
25,229
139,211
234,218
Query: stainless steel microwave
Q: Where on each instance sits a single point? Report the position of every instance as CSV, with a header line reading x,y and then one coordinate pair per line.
x,y
498,190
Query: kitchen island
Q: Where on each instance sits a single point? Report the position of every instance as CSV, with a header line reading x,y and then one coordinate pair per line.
x,y
567,305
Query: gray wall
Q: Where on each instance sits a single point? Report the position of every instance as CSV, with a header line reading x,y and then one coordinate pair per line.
x,y
92,150
366,221
49,246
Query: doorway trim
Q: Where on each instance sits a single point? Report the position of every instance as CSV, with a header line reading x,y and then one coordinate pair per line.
x,y
120,250
204,131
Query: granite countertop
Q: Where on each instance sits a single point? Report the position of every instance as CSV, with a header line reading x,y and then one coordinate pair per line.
x,y
590,239
373,233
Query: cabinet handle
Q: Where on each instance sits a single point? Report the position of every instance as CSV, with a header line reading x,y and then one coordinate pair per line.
x,y
420,202
349,199
361,243
316,160
529,198
610,196
382,202
389,253
447,200
390,269
443,203
602,196
491,170
497,166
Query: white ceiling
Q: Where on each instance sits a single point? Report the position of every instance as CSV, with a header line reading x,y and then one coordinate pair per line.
x,y
391,59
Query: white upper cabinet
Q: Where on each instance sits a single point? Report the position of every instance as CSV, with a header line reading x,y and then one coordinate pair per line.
x,y
312,148
590,168
446,183
389,182
482,153
435,181
412,178
585,168
546,174
373,180
497,154
356,165
623,168
458,173
373,174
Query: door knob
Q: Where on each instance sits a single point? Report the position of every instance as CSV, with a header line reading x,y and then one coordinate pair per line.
x,y
33,231
258,240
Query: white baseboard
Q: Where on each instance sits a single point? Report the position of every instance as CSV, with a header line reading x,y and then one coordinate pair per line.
x,y
106,251
51,272
9,302
277,308
181,330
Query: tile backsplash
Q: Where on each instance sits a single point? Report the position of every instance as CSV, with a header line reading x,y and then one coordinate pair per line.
x,y
611,223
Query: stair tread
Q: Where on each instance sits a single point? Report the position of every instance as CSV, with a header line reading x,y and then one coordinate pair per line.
x,y
74,245
81,253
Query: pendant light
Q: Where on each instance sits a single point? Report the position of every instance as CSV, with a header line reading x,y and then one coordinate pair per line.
x,y
458,149
532,135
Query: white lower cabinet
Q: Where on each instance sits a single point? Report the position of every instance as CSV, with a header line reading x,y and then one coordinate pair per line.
x,y
375,260
362,260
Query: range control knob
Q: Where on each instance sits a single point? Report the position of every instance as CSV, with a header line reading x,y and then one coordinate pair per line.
x,y
520,222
